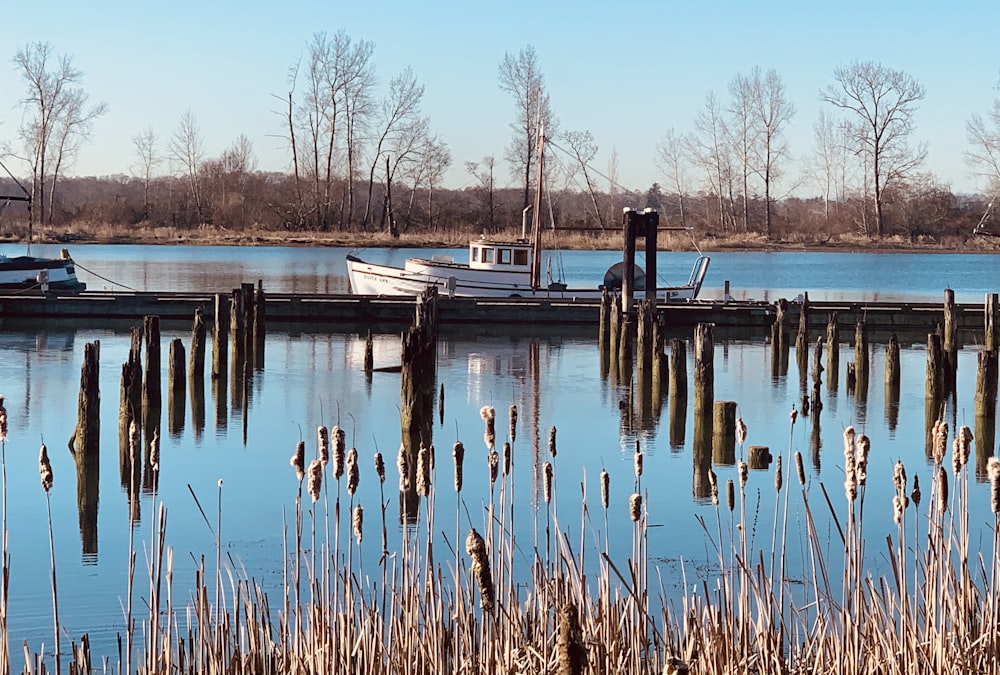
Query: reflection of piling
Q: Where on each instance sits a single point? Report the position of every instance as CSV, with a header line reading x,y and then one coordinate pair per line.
x,y
678,392
892,379
661,365
419,363
949,341
604,331
259,327
86,446
779,339
933,388
832,353
724,433
645,360
176,390
614,334
986,407
704,394
196,376
861,360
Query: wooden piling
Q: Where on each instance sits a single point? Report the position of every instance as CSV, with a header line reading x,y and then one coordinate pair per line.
x,y
704,387
779,339
724,433
604,331
832,353
817,375
417,386
861,360
152,397
196,374
678,392
802,343
176,388
986,408
85,446
934,389
990,322
369,353
661,364
644,360
259,325
892,379
614,335
758,457
220,336
949,341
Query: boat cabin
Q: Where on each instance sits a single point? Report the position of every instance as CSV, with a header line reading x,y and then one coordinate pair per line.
x,y
500,256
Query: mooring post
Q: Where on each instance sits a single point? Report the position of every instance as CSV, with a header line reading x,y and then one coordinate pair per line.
x,y
724,433
678,392
990,320
704,384
832,353
861,360
650,223
892,379
629,224
950,340
176,387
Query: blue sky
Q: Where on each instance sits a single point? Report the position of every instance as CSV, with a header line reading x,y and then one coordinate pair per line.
x,y
626,70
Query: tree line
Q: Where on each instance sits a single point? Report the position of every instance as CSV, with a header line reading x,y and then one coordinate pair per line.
x,y
363,157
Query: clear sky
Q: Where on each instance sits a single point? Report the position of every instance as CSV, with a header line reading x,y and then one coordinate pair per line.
x,y
625,70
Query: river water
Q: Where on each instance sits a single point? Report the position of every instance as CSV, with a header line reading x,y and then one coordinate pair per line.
x,y
313,377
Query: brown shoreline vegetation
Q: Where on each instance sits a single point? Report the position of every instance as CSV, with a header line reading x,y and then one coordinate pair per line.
x,y
609,239
485,608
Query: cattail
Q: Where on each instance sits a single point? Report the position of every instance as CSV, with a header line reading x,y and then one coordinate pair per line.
x,y
605,489
850,449
993,471
942,490
154,452
741,431
799,468
730,495
571,651
637,461
403,465
961,448
357,522
899,477
315,478
380,467
3,421
338,452
915,495
45,468
423,471
513,422
353,472
552,442
547,481
494,463
744,471
458,452
323,444
897,508
476,548
508,458
778,478
490,435
713,484
298,460
635,506
793,415
939,442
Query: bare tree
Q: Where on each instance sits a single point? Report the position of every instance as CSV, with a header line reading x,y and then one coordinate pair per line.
x,y
672,159
582,147
743,131
884,102
432,161
984,136
772,112
187,149
56,120
148,156
485,174
356,72
397,121
830,165
710,150
521,77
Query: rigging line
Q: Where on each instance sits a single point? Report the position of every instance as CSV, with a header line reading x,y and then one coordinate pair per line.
x,y
17,182
613,182
110,281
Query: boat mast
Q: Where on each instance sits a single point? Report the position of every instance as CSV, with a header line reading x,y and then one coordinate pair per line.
x,y
536,253
25,197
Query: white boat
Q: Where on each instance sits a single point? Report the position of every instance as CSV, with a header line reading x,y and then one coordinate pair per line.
x,y
503,269
497,269
25,272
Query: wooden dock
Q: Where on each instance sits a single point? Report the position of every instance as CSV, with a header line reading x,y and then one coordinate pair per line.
x,y
354,310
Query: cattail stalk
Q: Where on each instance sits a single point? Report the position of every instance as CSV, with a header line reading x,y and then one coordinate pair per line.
x,y
800,469
547,481
635,506
458,453
315,484
45,472
475,547
490,433
357,522
323,444
423,471
339,448
298,460
605,489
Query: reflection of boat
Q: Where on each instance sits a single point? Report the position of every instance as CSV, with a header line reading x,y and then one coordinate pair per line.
x,y
498,268
26,272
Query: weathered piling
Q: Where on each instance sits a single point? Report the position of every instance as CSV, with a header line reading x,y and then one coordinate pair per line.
x,y
832,353
986,408
779,339
259,325
892,379
724,433
933,390
949,341
196,374
614,336
678,392
758,457
604,331
176,387
220,336
369,353
645,358
85,446
817,376
130,403
626,347
661,365
990,322
417,387
241,333
861,360
802,343
704,395
152,397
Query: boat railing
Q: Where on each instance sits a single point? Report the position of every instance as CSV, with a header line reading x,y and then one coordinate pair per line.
x,y
698,273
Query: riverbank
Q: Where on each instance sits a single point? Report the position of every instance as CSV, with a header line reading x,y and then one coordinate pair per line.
x,y
574,240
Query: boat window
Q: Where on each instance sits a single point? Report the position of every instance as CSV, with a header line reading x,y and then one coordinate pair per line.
x,y
475,254
521,257
487,255
504,256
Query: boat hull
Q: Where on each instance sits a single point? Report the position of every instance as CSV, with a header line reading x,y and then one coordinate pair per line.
x,y
28,272
459,281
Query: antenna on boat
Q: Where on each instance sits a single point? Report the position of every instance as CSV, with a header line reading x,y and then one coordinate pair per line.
x,y
536,253
25,197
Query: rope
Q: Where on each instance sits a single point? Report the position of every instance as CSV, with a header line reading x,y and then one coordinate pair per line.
x,y
110,281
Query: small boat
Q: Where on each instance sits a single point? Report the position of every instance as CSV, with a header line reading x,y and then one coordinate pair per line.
x,y
500,268
26,272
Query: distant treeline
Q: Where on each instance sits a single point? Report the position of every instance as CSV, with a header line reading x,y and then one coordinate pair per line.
x,y
271,202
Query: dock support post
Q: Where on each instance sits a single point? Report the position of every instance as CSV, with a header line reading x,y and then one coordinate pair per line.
x,y
990,321
861,360
704,391
629,222
678,392
86,447
645,359
176,387
892,379
152,397
196,374
802,343
724,433
604,331
832,353
950,341
220,336
779,339
417,388
259,325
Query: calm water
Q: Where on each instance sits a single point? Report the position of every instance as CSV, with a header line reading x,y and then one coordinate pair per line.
x,y
311,378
